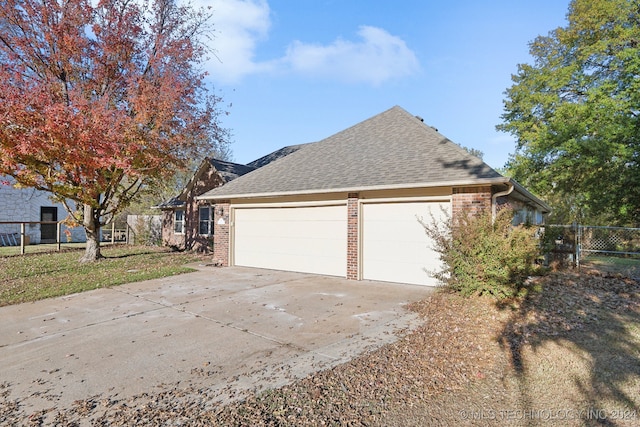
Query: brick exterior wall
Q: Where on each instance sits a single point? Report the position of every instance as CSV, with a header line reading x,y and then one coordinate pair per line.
x,y
352,236
169,238
472,200
191,239
221,233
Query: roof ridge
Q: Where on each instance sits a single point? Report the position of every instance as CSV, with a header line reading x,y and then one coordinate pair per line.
x,y
277,155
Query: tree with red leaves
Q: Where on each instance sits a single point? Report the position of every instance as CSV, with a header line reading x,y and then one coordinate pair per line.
x,y
100,100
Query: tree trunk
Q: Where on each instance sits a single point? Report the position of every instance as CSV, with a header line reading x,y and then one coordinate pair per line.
x,y
91,226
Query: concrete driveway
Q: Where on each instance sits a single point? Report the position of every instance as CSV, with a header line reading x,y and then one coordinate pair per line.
x,y
219,332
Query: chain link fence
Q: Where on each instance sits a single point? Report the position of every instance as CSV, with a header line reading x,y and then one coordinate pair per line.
x,y
614,249
616,241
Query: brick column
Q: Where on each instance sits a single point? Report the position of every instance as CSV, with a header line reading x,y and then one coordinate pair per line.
x,y
221,233
471,200
352,236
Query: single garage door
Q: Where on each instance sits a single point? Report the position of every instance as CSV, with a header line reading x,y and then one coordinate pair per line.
x,y
395,247
304,239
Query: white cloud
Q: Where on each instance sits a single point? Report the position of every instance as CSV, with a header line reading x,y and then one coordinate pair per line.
x,y
377,57
241,25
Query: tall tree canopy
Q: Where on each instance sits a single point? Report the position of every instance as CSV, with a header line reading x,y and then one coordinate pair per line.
x,y
576,114
101,99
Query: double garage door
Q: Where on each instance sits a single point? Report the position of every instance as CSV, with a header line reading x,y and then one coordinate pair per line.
x,y
305,239
313,239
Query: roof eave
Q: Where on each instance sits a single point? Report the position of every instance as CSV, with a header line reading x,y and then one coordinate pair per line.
x,y
457,183
526,193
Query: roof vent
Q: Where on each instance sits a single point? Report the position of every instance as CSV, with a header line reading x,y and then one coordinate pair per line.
x,y
420,118
434,128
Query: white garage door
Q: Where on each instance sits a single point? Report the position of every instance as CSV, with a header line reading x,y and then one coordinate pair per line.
x,y
395,247
304,239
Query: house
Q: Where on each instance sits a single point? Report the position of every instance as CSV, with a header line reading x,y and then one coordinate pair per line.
x,y
349,205
187,223
31,206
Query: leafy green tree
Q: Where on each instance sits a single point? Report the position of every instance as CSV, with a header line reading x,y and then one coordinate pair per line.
x,y
576,115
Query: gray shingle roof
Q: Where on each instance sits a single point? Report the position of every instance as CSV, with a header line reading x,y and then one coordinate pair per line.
x,y
390,149
172,203
271,157
229,171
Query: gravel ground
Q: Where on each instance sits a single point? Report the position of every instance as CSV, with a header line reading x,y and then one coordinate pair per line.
x,y
569,355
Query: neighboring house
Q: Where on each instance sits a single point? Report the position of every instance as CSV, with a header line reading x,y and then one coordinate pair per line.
x,y
31,205
349,205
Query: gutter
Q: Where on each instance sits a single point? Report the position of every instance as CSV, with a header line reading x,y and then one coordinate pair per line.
x,y
494,199
520,189
466,183
514,186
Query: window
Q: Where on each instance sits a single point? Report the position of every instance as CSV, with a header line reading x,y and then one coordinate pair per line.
x,y
206,220
178,221
528,216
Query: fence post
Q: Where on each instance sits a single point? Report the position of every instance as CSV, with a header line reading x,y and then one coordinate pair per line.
x,y
575,228
58,236
22,238
578,244
113,233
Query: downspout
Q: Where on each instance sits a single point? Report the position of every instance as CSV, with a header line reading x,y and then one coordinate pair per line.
x,y
494,199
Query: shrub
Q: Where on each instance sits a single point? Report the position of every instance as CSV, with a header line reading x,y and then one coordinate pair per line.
x,y
484,256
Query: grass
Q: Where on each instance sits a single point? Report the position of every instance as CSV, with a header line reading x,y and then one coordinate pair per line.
x,y
34,277
614,264
613,261
46,247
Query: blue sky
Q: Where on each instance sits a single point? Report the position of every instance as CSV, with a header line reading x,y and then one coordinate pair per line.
x,y
300,71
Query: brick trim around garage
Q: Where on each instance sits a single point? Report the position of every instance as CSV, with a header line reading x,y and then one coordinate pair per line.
x,y
352,236
470,199
464,199
221,231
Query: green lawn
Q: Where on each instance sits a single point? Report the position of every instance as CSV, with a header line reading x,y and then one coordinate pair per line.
x,y
46,247
624,265
43,275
